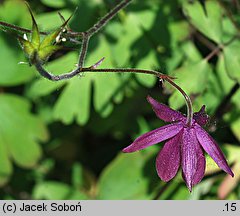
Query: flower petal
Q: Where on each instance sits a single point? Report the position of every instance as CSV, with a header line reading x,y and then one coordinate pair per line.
x,y
168,159
189,156
212,148
201,117
164,112
153,137
201,164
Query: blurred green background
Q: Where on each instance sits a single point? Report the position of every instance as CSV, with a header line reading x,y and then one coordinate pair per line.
x,y
63,140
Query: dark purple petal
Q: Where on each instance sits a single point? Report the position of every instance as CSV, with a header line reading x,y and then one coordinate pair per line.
x,y
164,112
201,164
153,137
212,148
189,156
201,117
168,159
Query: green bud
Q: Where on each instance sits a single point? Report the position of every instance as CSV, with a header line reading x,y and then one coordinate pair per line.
x,y
44,53
27,47
38,50
51,38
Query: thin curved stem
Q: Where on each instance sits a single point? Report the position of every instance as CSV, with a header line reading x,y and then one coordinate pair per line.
x,y
48,75
125,70
42,71
187,100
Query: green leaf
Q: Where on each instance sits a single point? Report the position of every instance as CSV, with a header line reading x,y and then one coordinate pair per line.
x,y
218,86
235,125
49,20
77,175
59,3
74,102
232,151
211,24
53,190
225,82
232,60
203,188
14,12
11,72
15,143
192,79
149,61
121,49
43,87
234,120
121,181
229,29
77,91
134,22
5,164
191,53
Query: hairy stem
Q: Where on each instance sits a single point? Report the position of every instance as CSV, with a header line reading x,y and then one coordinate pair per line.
x,y
187,100
79,70
126,70
83,51
95,28
107,17
17,28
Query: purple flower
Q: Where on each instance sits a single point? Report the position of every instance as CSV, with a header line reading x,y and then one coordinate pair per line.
x,y
184,145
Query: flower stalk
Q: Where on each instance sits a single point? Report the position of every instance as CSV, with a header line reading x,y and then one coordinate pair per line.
x,y
187,100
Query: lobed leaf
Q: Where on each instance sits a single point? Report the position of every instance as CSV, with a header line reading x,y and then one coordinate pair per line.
x,y
232,60
123,182
15,145
53,190
209,23
192,78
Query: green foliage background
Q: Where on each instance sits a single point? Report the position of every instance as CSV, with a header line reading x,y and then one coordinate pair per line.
x,y
63,140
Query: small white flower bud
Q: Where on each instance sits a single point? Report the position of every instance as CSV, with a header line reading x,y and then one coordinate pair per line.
x,y
25,37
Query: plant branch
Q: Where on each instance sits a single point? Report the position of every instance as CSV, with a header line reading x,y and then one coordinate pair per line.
x,y
79,70
107,17
210,45
19,29
220,47
83,51
95,28
213,53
